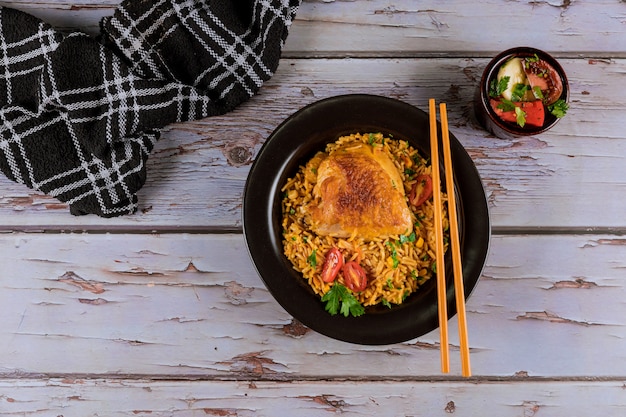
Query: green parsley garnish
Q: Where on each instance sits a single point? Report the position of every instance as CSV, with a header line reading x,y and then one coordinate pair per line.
x,y
410,238
506,105
340,300
394,254
559,108
519,90
312,259
529,59
537,92
496,88
385,303
520,116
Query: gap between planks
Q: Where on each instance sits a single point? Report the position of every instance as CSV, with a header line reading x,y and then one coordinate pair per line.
x,y
169,230
289,54
520,377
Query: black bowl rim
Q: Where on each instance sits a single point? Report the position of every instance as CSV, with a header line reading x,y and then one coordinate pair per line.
x,y
278,159
487,75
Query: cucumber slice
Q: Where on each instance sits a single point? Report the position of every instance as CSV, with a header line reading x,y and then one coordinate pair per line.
x,y
514,69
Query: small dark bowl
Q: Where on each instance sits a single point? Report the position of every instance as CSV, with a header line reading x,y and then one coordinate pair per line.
x,y
485,114
292,144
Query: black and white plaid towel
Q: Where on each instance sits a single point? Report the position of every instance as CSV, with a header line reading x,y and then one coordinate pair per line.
x,y
79,116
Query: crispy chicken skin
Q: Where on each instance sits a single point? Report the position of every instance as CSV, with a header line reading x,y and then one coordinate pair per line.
x,y
359,191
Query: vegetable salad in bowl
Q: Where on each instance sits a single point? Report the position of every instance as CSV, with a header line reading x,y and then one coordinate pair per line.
x,y
523,91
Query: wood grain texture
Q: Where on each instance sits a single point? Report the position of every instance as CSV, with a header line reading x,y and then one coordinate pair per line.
x,y
122,398
406,27
162,313
185,306
197,172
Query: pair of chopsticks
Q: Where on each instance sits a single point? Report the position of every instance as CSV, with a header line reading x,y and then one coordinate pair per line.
x,y
454,242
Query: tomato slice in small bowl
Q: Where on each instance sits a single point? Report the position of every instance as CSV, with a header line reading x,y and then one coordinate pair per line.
x,y
332,264
354,276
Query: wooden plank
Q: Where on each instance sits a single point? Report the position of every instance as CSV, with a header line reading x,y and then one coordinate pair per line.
x,y
481,27
120,398
186,306
197,172
408,28
177,324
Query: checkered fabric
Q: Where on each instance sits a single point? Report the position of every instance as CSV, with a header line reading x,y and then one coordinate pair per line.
x,y
79,116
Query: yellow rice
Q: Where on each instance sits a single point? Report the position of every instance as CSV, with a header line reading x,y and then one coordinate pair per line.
x,y
395,265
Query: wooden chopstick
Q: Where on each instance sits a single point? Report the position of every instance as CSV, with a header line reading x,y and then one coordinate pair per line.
x,y
440,265
455,246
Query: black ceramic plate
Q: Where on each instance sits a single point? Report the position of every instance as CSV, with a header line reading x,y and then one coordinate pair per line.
x,y
291,145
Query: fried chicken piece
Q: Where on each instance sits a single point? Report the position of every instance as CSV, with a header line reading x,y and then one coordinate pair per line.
x,y
359,191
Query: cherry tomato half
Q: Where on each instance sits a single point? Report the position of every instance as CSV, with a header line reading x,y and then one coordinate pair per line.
x,y
354,276
422,190
332,265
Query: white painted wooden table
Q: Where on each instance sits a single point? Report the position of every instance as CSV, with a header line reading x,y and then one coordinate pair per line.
x,y
161,313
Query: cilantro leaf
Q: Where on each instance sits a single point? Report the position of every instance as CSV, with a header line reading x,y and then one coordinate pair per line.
x,y
389,284
558,108
409,238
519,90
506,105
530,59
497,87
520,116
350,305
394,254
312,259
339,300
332,300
